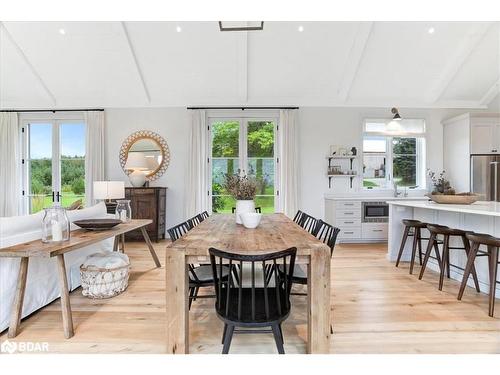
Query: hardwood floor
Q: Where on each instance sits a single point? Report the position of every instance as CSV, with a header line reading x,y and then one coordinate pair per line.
x,y
377,308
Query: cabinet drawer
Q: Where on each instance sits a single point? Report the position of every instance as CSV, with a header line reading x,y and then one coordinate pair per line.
x,y
376,231
354,222
346,214
350,233
348,205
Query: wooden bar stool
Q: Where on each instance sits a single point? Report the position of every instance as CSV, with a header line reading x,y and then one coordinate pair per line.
x,y
492,243
412,229
444,264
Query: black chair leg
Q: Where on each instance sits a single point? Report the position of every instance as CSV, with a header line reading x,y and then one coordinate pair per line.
x,y
191,295
277,339
195,295
228,338
281,334
224,333
403,243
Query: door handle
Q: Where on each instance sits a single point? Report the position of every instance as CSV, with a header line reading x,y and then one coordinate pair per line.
x,y
58,196
53,196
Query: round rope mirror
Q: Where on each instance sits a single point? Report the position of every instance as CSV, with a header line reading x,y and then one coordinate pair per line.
x,y
146,151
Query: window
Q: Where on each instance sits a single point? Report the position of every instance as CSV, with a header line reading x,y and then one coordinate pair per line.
x,y
394,152
54,163
246,144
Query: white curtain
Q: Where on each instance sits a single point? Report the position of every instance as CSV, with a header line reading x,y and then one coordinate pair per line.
x,y
197,198
10,165
289,165
94,153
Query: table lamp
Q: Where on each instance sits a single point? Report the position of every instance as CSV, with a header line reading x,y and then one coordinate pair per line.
x,y
108,190
136,162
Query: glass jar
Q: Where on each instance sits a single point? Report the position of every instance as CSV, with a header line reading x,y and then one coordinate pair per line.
x,y
55,224
123,211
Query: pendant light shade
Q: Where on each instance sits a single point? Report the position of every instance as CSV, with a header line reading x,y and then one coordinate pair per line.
x,y
395,112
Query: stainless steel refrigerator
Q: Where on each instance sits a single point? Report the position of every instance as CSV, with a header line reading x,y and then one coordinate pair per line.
x,y
485,176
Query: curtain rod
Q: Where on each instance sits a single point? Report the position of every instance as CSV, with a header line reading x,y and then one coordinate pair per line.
x,y
52,110
242,108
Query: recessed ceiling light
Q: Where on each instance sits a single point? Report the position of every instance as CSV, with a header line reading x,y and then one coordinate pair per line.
x,y
178,29
62,31
431,30
301,28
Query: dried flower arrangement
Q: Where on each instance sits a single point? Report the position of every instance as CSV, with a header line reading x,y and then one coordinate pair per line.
x,y
240,186
440,183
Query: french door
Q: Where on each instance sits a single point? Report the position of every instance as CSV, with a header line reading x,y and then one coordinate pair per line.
x,y
54,163
248,145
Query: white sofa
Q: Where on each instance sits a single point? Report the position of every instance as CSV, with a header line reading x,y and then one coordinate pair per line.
x,y
42,282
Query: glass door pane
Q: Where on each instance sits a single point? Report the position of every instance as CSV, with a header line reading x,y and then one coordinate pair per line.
x,y
374,162
39,166
225,160
261,165
72,157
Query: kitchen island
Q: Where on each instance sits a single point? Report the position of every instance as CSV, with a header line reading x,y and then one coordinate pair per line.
x,y
481,217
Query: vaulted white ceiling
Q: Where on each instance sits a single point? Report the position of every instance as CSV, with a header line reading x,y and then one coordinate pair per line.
x,y
141,64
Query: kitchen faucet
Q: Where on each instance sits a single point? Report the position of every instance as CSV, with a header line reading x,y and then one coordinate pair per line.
x,y
396,192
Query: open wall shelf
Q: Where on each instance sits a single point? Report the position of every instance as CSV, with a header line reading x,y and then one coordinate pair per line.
x,y
351,177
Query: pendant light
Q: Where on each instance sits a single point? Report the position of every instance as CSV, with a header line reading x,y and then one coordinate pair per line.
x,y
395,124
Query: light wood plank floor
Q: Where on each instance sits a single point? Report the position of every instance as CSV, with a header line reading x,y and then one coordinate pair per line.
x,y
377,308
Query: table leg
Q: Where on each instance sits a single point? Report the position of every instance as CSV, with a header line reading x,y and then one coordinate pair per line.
x,y
177,302
122,242
319,308
115,244
65,303
17,307
150,246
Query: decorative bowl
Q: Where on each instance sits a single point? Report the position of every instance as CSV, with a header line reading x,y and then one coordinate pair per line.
x,y
461,198
250,220
97,224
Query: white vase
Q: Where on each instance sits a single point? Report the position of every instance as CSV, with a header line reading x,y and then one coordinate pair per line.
x,y
242,207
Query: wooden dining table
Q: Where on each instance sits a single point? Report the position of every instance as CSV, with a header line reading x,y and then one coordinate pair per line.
x,y
275,232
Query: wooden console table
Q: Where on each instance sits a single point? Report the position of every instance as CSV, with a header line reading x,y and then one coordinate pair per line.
x,y
79,238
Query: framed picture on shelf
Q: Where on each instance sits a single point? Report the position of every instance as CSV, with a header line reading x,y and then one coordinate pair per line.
x,y
334,150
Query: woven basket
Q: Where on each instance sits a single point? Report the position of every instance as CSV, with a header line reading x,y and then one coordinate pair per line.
x,y
102,283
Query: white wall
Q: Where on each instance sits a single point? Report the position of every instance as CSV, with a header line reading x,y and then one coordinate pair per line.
x,y
171,124
320,127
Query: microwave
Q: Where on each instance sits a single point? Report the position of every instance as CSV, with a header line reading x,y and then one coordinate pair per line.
x,y
375,212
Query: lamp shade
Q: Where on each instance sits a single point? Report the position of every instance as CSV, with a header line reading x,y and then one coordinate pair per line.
x,y
136,161
152,163
109,189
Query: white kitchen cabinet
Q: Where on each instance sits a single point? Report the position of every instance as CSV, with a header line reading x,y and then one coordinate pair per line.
x,y
346,215
470,133
484,137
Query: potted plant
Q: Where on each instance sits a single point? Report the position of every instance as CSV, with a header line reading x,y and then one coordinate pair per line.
x,y
243,189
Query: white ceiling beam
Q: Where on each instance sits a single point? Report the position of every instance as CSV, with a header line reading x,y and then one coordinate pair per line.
x,y
28,63
456,61
491,93
354,59
136,62
243,67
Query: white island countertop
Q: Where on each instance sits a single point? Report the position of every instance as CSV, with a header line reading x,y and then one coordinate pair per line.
x,y
477,208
